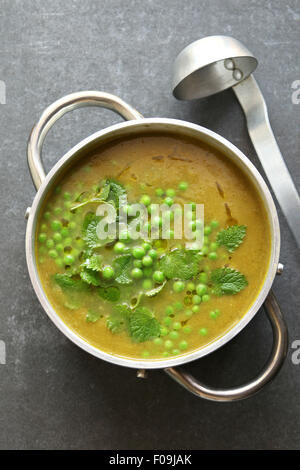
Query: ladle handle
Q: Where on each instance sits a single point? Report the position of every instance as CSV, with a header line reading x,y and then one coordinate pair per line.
x,y
60,107
278,354
251,99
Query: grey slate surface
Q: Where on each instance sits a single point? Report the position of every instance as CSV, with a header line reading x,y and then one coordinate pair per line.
x,y
52,394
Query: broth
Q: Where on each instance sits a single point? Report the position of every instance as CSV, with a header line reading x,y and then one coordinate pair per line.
x,y
188,316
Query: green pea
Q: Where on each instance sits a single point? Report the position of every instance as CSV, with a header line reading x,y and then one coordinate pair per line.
x,y
52,253
187,329
201,289
50,243
57,237
203,277
212,255
204,250
190,286
183,345
145,200
157,341
145,354
59,262
170,192
147,284
195,309
43,227
147,247
205,240
213,246
174,334
68,204
67,196
164,331
168,344
168,200
159,192
183,185
193,206
47,215
147,272
156,221
72,225
68,241
158,276
152,253
196,299
138,252
147,260
176,325
42,237
59,248
137,273
170,234
188,313
69,259
108,272
119,247
169,310
213,315
167,321
207,230
137,263
214,224
125,236
178,286
203,331
64,232
168,215
178,305
165,354
57,210
205,298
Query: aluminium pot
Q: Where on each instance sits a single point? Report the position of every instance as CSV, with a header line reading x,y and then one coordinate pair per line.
x,y
135,124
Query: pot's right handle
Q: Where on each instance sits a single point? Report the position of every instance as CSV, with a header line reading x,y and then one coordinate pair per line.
x,y
278,354
60,107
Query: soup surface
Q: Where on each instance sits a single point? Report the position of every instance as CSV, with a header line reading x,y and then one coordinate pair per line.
x,y
153,298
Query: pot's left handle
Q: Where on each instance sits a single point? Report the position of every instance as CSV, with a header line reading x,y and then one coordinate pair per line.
x,y
57,110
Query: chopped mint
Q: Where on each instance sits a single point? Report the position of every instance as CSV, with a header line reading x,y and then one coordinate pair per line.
x,y
228,281
155,290
118,320
180,264
92,316
90,277
123,265
67,281
110,293
231,237
143,326
93,262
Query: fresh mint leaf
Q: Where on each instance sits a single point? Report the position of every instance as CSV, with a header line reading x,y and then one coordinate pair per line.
x,y
123,265
66,281
93,262
116,191
228,281
180,264
110,293
92,316
143,326
118,320
90,232
231,237
90,277
155,290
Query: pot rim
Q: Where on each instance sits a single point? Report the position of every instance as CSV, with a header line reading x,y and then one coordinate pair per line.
x,y
160,125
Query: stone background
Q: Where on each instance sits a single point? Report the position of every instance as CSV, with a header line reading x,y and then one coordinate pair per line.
x,y
52,394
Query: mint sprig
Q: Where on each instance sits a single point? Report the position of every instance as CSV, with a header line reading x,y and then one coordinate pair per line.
x,y
180,264
143,326
232,237
227,281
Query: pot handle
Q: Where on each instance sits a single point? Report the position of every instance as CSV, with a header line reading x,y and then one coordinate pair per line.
x,y
275,361
60,107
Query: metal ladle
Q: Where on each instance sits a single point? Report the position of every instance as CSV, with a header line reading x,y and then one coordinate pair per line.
x,y
215,63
